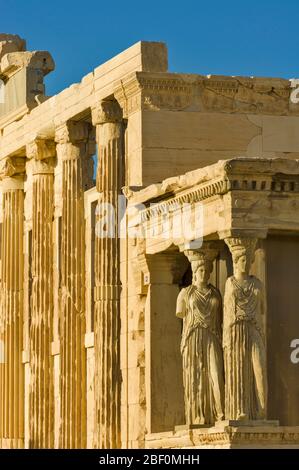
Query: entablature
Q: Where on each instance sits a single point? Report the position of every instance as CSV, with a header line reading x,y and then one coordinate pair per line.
x,y
242,195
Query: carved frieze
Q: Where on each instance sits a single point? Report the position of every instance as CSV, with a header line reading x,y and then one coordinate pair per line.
x,y
205,93
230,197
155,91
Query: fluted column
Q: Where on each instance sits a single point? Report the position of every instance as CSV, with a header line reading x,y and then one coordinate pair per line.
x,y
108,120
41,397
11,324
72,148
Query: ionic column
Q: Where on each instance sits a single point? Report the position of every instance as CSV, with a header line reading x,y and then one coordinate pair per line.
x,y
41,397
72,149
109,129
12,369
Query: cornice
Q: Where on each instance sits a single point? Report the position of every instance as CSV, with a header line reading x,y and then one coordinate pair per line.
x,y
275,177
251,95
143,90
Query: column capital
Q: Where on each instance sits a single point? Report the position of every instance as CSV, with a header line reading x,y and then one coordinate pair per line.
x,y
242,246
73,132
43,167
163,268
243,233
11,167
106,112
41,149
207,252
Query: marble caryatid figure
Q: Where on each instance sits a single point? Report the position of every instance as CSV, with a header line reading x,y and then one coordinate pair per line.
x,y
243,338
200,306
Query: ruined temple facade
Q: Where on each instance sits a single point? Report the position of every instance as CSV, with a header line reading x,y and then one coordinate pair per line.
x,y
91,339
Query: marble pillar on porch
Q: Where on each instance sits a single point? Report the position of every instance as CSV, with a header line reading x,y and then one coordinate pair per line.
x,y
107,117
11,319
73,149
41,401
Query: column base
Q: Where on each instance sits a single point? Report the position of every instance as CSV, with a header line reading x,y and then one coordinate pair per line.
x,y
248,422
6,443
189,427
228,435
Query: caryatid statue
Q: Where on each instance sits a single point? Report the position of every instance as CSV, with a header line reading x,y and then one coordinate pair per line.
x,y
200,306
243,337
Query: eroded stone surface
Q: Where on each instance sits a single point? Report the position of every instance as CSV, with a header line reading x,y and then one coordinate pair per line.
x,y
92,319
11,43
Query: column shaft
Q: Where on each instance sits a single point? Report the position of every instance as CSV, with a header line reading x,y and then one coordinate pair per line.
x,y
41,401
107,277
12,371
72,148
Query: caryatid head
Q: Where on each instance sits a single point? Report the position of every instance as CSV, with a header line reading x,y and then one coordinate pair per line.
x,y
201,264
242,250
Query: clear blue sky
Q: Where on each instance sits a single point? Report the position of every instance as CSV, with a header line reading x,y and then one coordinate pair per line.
x,y
219,37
